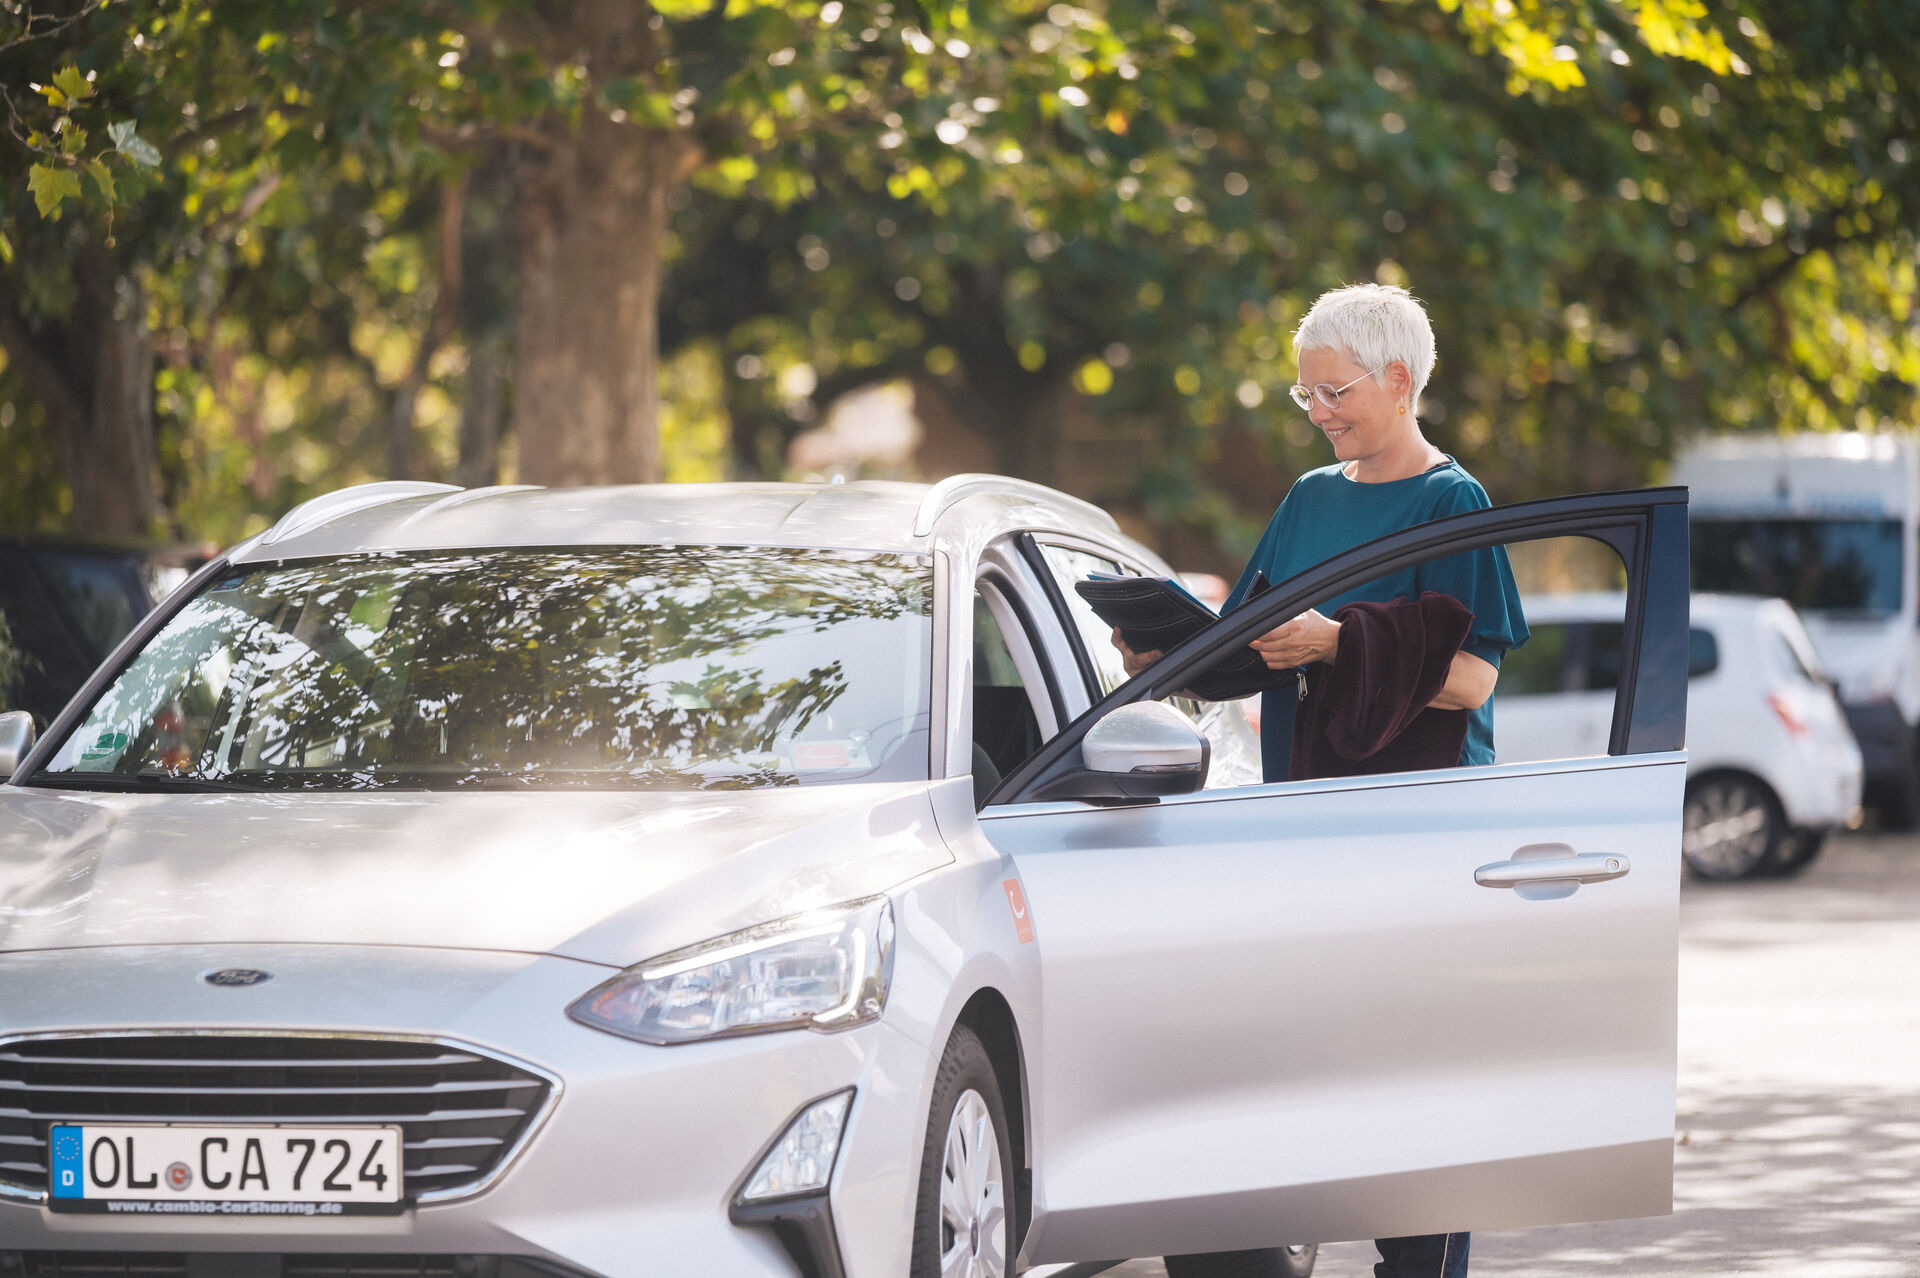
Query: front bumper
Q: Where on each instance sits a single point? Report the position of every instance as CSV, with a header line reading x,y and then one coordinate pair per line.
x,y
631,1170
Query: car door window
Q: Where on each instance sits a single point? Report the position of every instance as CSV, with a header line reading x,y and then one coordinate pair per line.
x,y
1012,703
1069,564
1231,727
1703,653
1554,692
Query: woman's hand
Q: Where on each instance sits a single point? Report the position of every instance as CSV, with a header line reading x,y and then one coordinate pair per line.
x,y
1136,661
1308,638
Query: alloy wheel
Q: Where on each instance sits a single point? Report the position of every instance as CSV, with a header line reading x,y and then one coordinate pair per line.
x,y
973,1210
1728,828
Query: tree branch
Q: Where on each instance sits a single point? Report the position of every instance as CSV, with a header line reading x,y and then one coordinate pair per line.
x,y
1828,236
53,26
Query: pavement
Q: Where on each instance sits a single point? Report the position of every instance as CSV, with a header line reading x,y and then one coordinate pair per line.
x,y
1797,1141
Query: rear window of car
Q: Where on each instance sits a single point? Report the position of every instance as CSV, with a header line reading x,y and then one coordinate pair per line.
x,y
678,667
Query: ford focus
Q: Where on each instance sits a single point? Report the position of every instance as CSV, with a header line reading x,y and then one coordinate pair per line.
x,y
786,880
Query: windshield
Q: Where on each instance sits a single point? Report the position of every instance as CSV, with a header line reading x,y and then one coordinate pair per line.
x,y
1831,565
684,667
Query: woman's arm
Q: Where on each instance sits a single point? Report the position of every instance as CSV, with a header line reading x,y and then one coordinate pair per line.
x,y
1469,683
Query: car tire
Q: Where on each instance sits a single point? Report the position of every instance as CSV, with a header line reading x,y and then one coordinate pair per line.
x,y
965,1164
1798,849
1730,826
1262,1262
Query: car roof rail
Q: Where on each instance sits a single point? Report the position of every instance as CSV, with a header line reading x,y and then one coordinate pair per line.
x,y
324,509
954,489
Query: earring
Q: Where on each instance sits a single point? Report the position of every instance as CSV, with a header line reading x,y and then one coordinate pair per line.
x,y
1401,409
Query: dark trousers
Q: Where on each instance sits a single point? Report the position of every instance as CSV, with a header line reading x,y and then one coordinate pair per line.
x,y
1422,1256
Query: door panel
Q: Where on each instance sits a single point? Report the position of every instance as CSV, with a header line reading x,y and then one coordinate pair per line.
x,y
1289,1013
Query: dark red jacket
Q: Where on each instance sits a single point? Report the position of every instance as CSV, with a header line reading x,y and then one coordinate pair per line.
x,y
1367,711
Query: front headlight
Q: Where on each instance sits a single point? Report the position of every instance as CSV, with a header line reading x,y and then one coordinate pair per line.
x,y
826,970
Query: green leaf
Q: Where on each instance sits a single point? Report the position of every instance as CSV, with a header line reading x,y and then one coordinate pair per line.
x,y
102,179
73,84
51,185
129,143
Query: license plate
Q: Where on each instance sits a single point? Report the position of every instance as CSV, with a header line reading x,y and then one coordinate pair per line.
x,y
225,1171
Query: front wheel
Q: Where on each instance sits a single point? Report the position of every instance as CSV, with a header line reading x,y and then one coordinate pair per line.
x,y
1730,826
1263,1262
962,1225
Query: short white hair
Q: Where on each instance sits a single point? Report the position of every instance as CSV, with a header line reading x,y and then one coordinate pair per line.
x,y
1373,325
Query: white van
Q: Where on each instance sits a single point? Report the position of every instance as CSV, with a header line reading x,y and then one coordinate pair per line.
x,y
1829,523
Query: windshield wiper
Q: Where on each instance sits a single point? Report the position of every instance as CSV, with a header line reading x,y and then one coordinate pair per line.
x,y
145,781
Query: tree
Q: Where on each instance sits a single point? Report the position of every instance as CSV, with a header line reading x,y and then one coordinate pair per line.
x,y
1038,212
1610,265
85,266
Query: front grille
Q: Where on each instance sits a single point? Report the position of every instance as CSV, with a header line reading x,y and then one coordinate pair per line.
x,y
125,1264
462,1111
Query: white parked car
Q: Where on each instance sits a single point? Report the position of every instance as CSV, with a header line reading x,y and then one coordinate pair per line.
x,y
775,880
1771,766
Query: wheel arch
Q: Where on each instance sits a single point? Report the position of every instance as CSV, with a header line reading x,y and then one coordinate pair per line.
x,y
988,1014
1718,770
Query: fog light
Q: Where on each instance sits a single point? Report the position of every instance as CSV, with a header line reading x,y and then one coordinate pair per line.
x,y
801,1161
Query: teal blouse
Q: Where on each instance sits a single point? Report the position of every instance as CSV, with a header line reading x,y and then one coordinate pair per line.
x,y
1326,513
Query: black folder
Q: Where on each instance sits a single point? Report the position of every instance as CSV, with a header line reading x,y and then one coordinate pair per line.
x,y
1159,613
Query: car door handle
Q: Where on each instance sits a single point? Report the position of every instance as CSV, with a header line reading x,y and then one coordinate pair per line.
x,y
1578,867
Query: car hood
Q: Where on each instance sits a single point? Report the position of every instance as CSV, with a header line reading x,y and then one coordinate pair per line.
x,y
606,877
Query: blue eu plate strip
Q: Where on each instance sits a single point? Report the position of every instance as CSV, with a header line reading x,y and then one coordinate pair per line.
x,y
66,1145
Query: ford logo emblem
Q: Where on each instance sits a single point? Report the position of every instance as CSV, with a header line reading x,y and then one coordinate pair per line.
x,y
236,977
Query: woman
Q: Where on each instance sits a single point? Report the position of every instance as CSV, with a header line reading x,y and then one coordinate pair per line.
x,y
1365,354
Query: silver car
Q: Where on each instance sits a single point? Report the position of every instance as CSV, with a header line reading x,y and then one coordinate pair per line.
x,y
767,880
1772,768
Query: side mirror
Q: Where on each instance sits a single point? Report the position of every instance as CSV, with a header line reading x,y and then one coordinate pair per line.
x,y
16,738
1137,753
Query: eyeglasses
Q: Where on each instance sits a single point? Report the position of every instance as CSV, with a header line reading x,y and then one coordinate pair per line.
x,y
1327,395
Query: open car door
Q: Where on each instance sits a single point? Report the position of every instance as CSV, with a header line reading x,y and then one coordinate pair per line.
x,y
1373,1006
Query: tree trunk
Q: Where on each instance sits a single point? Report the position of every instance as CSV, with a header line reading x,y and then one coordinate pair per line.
x,y
440,326
486,316
482,410
92,372
1016,420
1016,410
113,478
592,211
